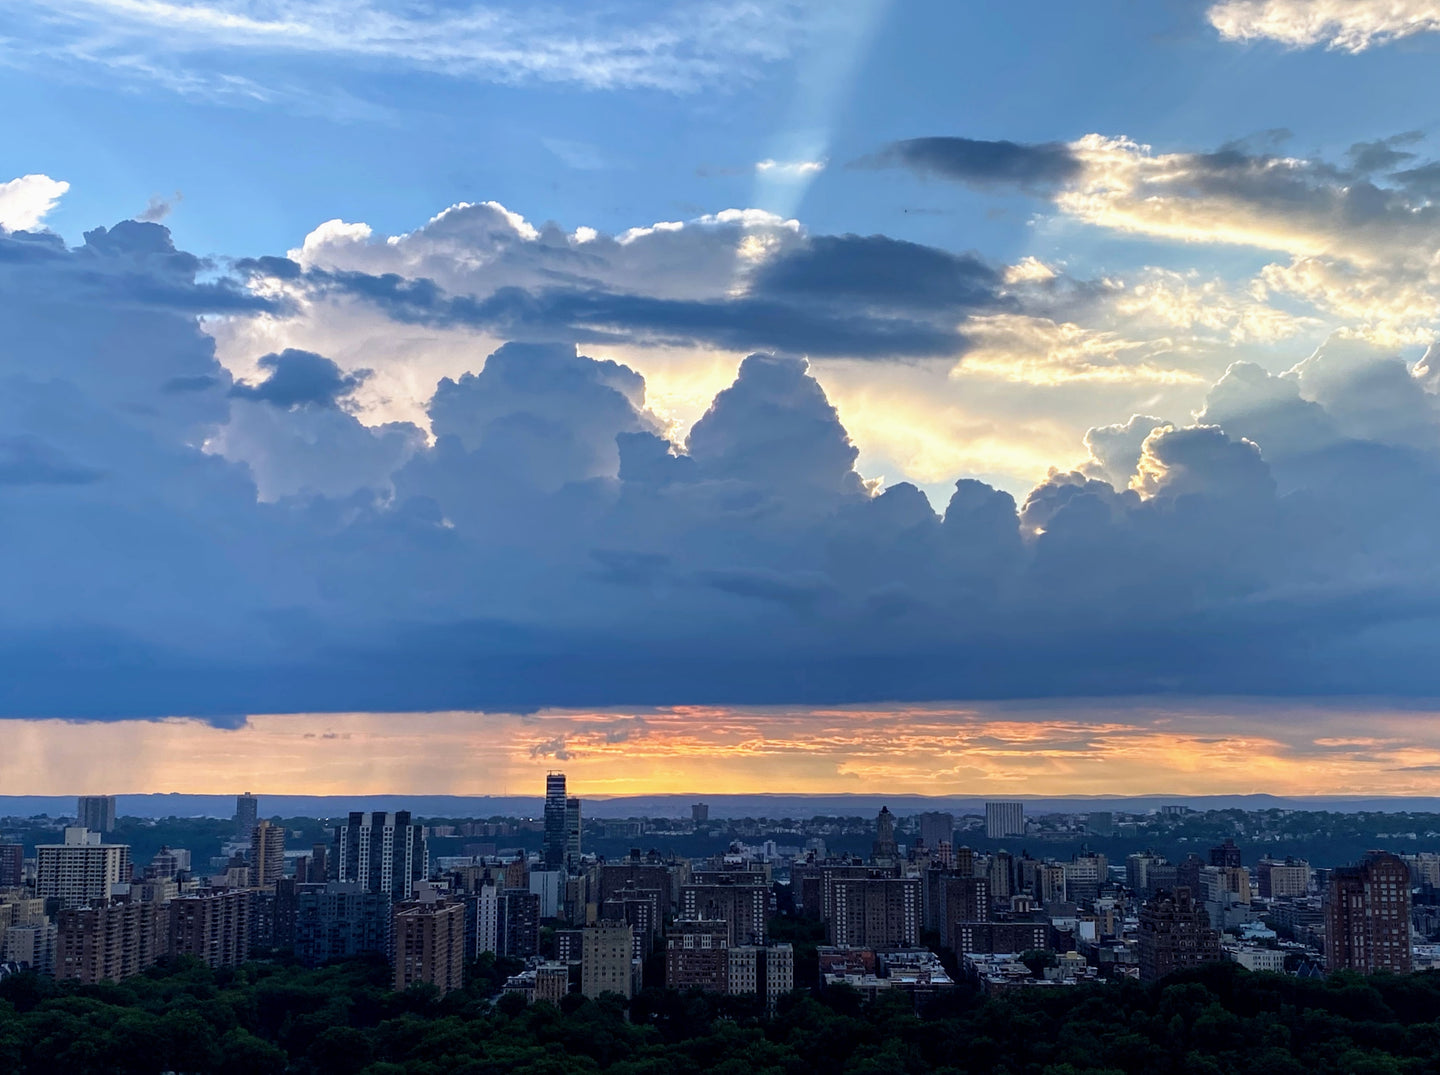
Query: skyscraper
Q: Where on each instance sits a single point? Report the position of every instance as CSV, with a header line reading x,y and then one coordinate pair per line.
x,y
82,870
884,847
246,811
96,813
1004,819
212,926
12,865
267,854
1367,916
937,828
555,810
383,852
572,833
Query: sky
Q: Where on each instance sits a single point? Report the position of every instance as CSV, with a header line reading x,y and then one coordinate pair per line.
x,y
766,365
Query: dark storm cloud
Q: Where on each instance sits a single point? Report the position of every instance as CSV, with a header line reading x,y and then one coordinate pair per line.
x,y
1034,167
300,378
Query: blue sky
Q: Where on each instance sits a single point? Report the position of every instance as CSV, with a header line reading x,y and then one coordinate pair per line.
x,y
454,354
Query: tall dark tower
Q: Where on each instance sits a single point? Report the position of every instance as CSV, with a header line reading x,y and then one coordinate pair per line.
x,y
884,846
556,836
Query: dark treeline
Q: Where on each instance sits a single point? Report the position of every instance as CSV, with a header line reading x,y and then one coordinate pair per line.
x,y
268,1019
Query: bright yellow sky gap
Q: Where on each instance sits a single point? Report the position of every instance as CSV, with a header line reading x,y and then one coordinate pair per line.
x,y
1133,747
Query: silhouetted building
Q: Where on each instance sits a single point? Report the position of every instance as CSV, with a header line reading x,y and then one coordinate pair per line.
x,y
874,912
1175,933
697,955
96,813
384,852
429,943
884,848
340,920
572,834
1225,855
247,810
556,841
990,937
700,813
518,923
1367,916
937,828
12,865
745,907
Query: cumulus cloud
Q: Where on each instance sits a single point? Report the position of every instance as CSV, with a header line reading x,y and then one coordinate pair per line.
x,y
24,202
1346,25
192,539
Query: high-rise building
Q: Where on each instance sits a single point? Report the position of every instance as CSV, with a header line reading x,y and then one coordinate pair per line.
x,y
12,865
267,854
110,942
384,852
874,912
1282,880
518,923
429,943
607,960
1139,868
572,834
744,907
700,813
1367,916
962,899
768,972
213,926
884,848
1004,819
247,809
1085,874
1175,933
96,813
82,870
556,841
697,955
1225,855
937,828
339,920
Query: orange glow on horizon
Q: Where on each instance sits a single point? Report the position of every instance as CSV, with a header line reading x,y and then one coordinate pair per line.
x,y
1042,749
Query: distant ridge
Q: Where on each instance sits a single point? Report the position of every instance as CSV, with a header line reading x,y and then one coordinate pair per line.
x,y
721,806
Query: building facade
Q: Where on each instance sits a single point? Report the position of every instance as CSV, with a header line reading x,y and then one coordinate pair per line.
x,y
429,944
606,962
1175,933
556,802
110,942
382,852
697,955
874,912
82,870
96,813
247,810
1367,916
1004,819
267,854
337,921
213,927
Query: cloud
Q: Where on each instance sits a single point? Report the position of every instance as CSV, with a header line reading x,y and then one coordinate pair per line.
x,y
24,202
158,208
300,379
1344,25
1033,167
800,169
228,50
